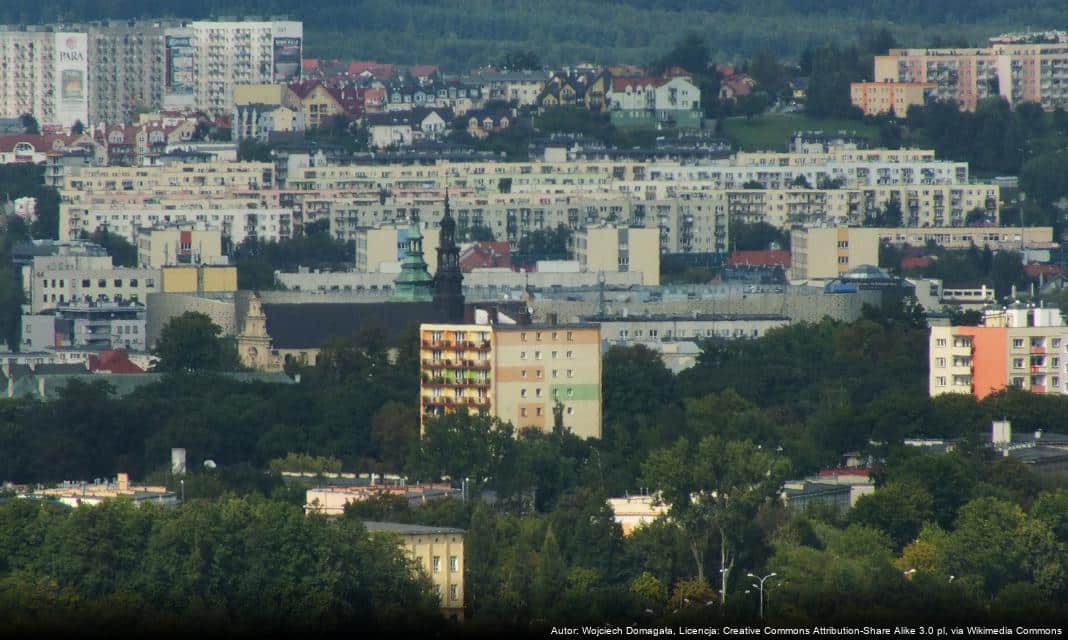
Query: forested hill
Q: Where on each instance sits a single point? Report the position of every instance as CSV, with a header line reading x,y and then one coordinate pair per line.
x,y
458,33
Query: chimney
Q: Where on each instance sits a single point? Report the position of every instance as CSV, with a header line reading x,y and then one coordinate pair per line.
x,y
1002,432
123,481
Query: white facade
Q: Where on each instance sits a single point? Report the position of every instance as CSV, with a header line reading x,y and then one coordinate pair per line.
x,y
678,94
62,280
266,224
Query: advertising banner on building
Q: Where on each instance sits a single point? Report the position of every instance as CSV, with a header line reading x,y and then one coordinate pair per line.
x,y
286,60
71,72
179,65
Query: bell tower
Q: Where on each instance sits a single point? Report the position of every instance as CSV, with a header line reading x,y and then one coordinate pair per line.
x,y
448,281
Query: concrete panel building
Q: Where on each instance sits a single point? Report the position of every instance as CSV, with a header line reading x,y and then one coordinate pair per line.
x,y
381,249
877,98
516,373
178,244
1025,348
440,552
624,249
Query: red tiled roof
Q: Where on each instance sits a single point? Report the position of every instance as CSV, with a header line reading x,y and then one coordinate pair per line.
x,y
915,262
769,258
113,362
485,255
309,64
1035,269
621,84
423,70
380,71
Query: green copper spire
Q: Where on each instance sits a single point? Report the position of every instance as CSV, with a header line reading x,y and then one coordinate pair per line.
x,y
414,284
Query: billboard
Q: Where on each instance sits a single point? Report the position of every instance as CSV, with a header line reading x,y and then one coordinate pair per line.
x,y
286,60
179,55
71,73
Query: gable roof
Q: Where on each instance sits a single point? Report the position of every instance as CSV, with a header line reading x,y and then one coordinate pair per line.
x,y
639,82
311,325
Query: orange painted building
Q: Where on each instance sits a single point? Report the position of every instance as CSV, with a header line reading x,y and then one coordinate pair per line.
x,y
1022,348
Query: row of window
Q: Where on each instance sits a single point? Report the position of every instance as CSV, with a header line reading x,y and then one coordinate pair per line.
x,y
555,373
103,297
454,591
538,336
537,355
538,411
537,392
681,333
454,563
101,283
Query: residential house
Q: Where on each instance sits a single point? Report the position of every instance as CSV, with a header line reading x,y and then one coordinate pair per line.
x,y
482,122
670,101
586,90
318,103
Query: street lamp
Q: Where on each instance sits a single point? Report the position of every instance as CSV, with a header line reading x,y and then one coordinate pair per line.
x,y
760,586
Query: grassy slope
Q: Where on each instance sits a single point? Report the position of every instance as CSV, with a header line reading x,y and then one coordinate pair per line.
x,y
773,131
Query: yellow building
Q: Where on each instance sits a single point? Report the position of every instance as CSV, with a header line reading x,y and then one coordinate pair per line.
x,y
819,253
381,249
440,553
176,245
876,98
198,279
623,249
517,373
276,95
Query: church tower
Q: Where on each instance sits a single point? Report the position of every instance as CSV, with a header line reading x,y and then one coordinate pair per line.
x,y
448,282
414,283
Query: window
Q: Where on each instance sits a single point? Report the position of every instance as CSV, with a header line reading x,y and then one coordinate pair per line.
x,y
523,412
537,335
940,362
118,283
570,373
555,354
150,282
523,373
538,411
523,336
1055,381
1017,343
940,342
436,563
843,244
85,283
522,355
133,282
570,335
537,392
1056,343
570,410
555,338
102,283
940,381
1056,362
454,563
843,259
1017,363
570,392
556,374
1018,382
539,374
522,393
570,355
537,355
454,592
437,590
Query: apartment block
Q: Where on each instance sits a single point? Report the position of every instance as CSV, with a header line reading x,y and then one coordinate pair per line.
x,y
440,552
877,98
103,326
45,73
178,244
1017,67
517,373
125,70
1026,348
206,60
827,252
53,281
621,249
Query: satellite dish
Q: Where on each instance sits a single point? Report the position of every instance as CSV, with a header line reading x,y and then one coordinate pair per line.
x,y
209,464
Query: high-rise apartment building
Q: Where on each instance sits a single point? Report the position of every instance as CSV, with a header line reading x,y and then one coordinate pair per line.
x,y
44,73
1026,348
126,70
518,373
1019,67
204,61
